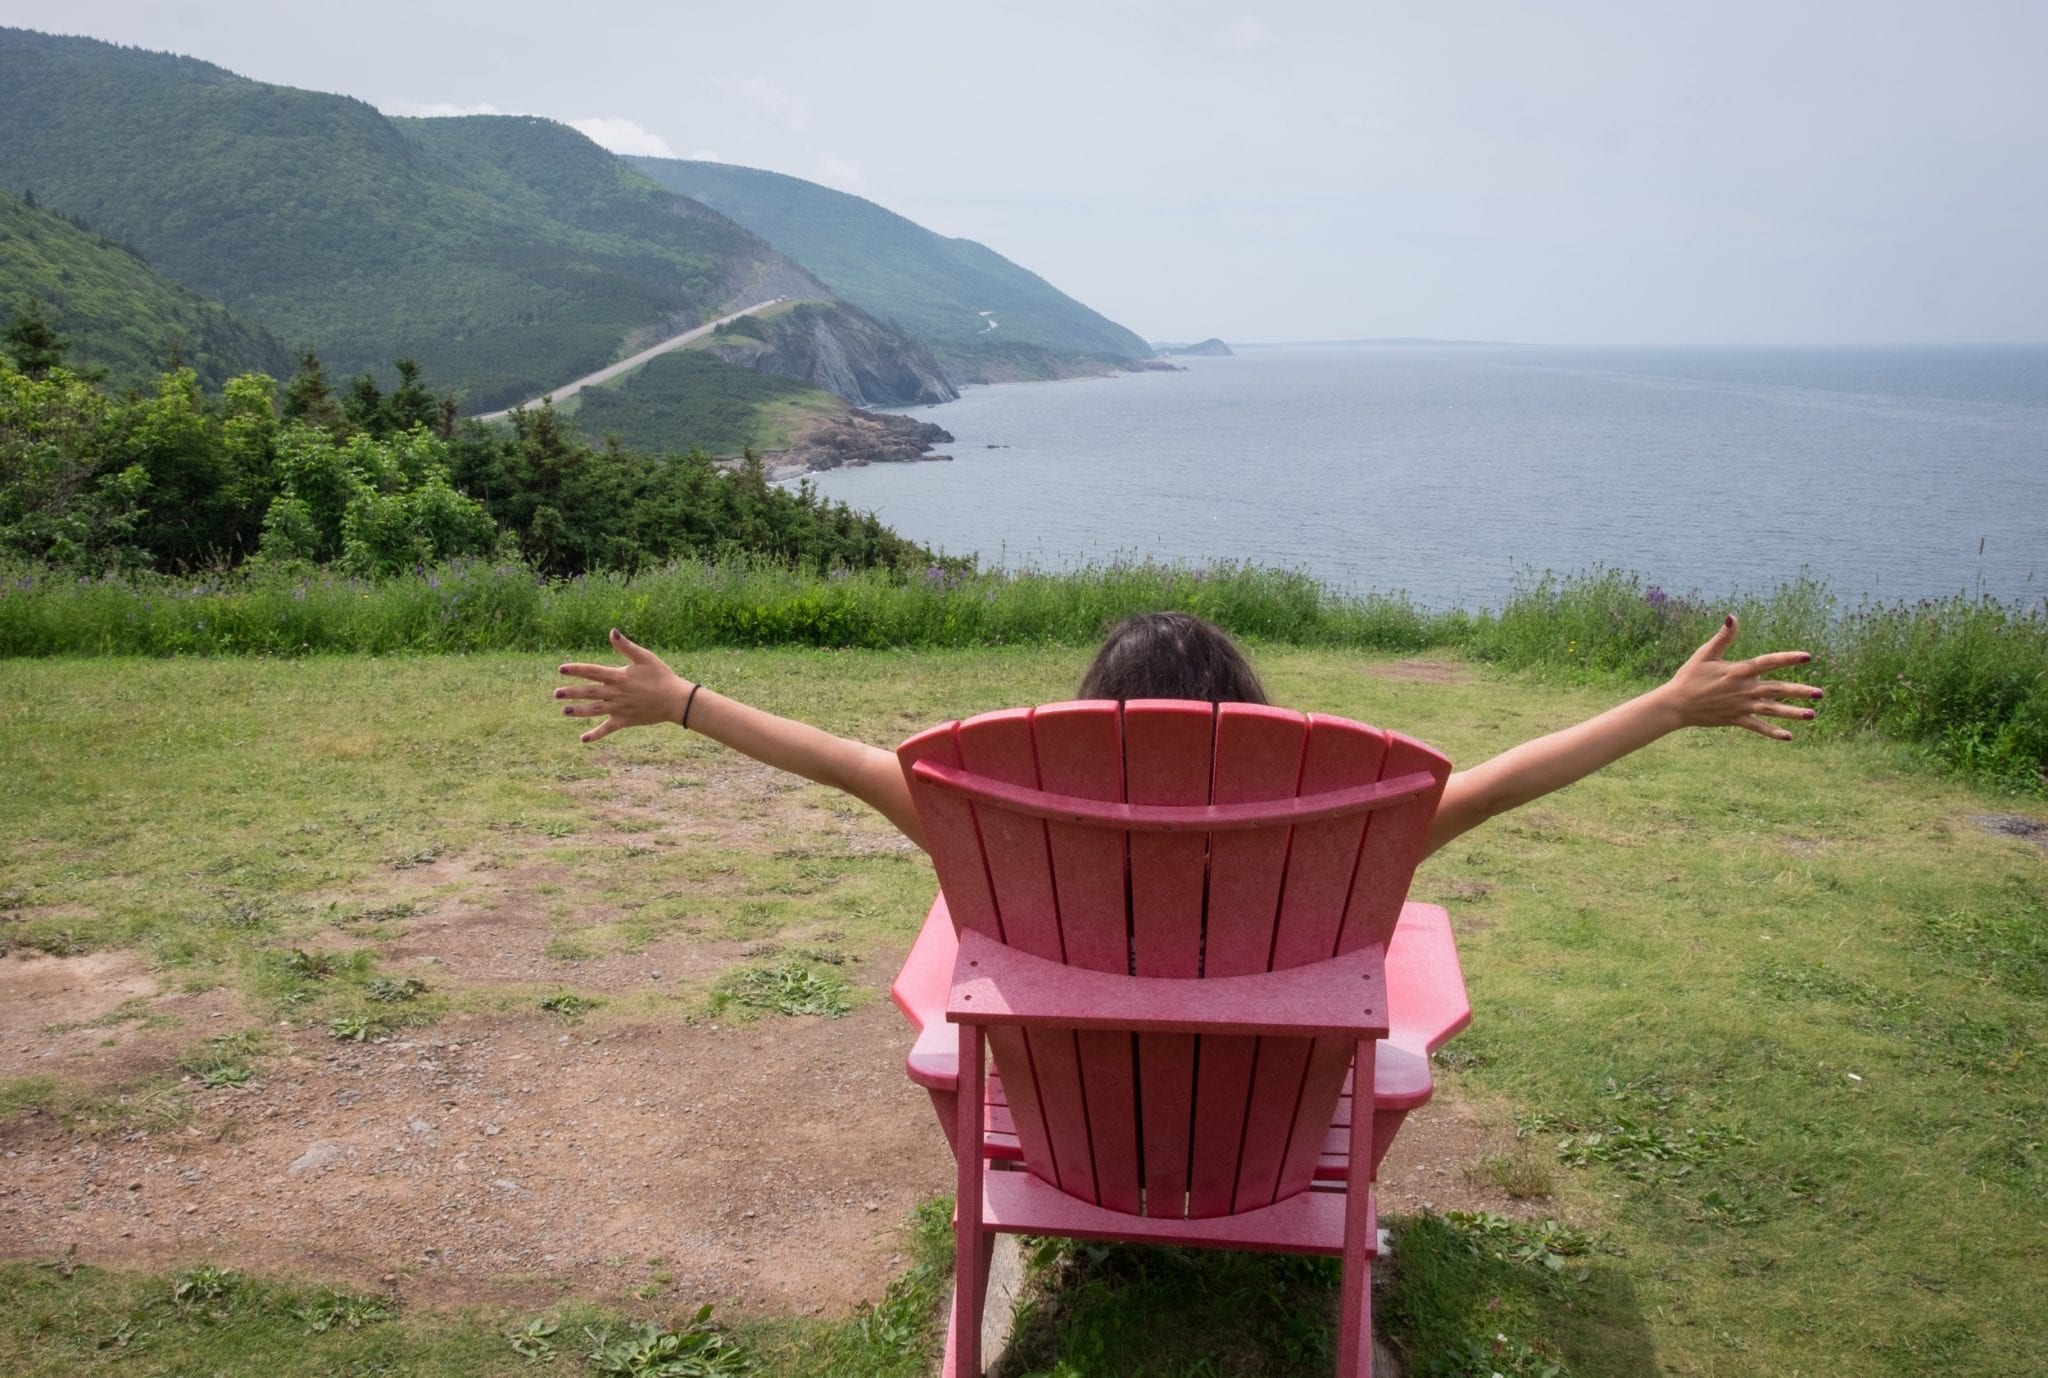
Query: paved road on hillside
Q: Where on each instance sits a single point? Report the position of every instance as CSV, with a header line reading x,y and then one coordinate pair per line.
x,y
605,375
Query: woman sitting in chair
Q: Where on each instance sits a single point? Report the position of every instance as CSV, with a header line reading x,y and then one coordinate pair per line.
x,y
1170,655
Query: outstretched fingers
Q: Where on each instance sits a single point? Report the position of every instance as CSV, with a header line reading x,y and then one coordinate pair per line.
x,y
1761,728
1785,689
1717,645
603,674
603,729
1775,660
631,651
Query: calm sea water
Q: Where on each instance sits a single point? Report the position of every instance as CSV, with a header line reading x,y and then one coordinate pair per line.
x,y
1442,471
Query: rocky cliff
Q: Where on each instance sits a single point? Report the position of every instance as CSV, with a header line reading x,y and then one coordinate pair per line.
x,y
840,349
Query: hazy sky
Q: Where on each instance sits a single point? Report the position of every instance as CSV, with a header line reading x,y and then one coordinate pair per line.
x,y
1797,170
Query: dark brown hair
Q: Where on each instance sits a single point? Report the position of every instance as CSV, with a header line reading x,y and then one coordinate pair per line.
x,y
1170,655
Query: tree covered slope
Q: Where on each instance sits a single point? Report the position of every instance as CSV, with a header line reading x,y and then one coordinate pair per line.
x,y
117,312
475,248
944,291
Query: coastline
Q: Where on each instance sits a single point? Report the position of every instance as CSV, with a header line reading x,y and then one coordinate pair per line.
x,y
862,437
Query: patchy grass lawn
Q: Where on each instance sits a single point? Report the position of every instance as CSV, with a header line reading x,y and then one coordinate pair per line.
x,y
1767,1020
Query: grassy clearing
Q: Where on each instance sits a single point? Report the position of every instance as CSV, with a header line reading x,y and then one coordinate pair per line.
x,y
1768,1018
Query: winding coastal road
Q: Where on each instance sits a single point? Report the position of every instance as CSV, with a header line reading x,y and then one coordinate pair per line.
x,y
627,365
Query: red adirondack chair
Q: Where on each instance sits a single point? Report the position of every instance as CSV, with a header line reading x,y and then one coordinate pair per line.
x,y
1173,925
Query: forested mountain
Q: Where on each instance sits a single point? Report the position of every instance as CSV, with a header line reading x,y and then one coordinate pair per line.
x,y
117,313
506,255
947,292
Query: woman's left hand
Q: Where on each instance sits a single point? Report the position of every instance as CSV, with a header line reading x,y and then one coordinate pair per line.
x,y
1711,691
640,693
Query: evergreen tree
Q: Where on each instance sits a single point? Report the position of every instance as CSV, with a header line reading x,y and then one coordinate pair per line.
x,y
409,404
308,399
34,342
364,405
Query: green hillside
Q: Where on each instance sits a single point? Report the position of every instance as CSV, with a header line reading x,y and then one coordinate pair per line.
x,y
934,287
321,219
690,400
117,312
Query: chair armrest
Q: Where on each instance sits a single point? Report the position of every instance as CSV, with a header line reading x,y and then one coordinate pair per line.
x,y
1426,998
920,989
934,1061
1345,997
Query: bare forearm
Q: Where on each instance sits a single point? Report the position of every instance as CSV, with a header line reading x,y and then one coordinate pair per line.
x,y
868,773
645,693
1536,768
1707,691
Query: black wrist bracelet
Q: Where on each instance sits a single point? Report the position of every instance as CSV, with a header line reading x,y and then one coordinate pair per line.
x,y
686,705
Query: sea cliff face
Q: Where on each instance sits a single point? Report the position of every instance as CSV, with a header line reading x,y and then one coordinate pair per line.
x,y
840,349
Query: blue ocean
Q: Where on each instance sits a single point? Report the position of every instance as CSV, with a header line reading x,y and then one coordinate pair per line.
x,y
1447,472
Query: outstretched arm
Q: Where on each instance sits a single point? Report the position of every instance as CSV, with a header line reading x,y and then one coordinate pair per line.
x,y
1707,691
645,691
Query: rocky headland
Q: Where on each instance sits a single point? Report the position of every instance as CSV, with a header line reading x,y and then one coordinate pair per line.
x,y
854,438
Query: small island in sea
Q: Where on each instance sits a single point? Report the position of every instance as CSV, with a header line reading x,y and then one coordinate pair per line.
x,y
1212,348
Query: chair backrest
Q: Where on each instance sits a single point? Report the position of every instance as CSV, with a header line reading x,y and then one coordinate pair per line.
x,y
1172,839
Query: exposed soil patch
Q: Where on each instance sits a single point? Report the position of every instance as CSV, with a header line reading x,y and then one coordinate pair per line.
x,y
750,807
502,1159
1421,671
1432,1165
2033,830
99,1020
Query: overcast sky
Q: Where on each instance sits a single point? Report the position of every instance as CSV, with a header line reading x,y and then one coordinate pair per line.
x,y
1791,171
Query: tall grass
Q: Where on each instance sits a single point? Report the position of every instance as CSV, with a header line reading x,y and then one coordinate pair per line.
x,y
1964,680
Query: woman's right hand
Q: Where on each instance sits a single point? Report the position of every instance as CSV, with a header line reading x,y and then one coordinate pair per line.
x,y
640,693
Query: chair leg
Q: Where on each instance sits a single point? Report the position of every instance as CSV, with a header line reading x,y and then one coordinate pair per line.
x,y
1361,1241
971,1241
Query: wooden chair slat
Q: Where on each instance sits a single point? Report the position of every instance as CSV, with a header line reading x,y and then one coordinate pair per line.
x,y
1324,856
1329,1062
1270,1103
950,834
1080,753
1258,758
1168,749
1393,845
999,746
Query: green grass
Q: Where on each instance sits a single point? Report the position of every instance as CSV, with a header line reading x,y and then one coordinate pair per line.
x,y
1768,1017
